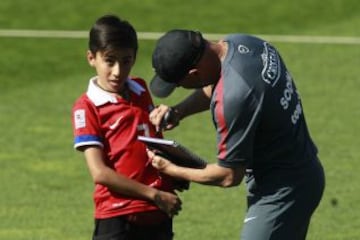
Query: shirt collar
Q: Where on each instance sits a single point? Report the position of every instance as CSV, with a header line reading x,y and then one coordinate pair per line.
x,y
135,87
99,96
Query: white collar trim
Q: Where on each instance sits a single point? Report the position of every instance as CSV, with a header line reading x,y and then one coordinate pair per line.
x,y
99,96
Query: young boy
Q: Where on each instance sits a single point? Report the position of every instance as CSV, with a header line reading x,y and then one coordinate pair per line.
x,y
132,200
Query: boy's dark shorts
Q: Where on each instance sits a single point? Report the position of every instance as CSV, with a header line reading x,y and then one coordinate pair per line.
x,y
133,227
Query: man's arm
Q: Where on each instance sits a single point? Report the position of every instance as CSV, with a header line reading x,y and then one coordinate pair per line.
x,y
197,102
213,174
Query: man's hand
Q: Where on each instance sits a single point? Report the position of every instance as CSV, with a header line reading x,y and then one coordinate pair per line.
x,y
164,117
168,202
158,162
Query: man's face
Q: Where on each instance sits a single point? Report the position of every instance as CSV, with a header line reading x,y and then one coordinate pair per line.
x,y
191,81
200,77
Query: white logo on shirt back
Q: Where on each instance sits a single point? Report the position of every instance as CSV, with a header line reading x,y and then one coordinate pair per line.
x,y
79,118
272,66
243,49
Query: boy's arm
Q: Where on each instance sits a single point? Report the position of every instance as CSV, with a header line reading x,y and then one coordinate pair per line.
x,y
102,174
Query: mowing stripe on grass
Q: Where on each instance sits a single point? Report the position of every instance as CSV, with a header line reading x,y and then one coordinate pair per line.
x,y
155,35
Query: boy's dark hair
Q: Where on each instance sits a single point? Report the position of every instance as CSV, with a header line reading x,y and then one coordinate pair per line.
x,y
110,32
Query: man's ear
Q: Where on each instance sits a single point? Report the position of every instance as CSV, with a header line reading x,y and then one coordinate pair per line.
x,y
91,58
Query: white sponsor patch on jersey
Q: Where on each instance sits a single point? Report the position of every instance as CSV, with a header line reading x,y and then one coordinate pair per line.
x,y
79,118
272,65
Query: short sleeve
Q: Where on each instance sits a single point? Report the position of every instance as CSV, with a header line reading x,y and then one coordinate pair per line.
x,y
86,126
236,116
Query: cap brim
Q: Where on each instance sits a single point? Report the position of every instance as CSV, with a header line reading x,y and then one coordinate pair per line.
x,y
161,88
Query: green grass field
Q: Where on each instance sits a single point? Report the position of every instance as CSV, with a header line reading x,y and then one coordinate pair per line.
x,y
46,191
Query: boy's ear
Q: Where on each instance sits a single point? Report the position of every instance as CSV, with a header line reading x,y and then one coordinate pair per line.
x,y
91,58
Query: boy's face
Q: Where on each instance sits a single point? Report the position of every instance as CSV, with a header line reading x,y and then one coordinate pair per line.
x,y
112,67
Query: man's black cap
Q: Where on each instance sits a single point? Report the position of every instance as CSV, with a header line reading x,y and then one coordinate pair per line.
x,y
175,54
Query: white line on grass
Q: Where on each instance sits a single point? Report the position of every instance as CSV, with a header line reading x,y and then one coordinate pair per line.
x,y
154,35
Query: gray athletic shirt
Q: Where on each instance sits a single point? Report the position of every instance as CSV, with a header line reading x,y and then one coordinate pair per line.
x,y
257,110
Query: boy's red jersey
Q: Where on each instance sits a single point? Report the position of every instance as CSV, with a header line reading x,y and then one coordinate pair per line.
x,y
113,123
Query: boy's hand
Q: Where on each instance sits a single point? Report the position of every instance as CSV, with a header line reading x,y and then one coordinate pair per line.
x,y
168,202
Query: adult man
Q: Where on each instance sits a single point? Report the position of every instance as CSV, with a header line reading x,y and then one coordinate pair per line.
x,y
261,129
